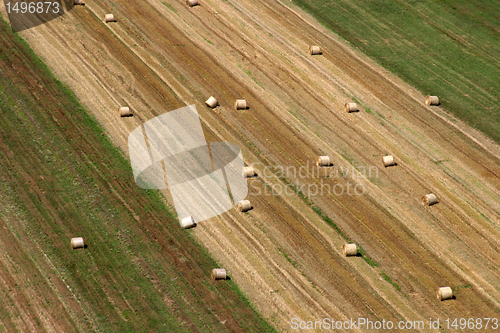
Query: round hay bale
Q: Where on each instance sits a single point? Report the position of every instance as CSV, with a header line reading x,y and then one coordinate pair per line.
x,y
79,2
432,100
244,205
219,274
315,50
248,172
125,111
191,3
109,18
323,161
211,102
429,199
77,243
188,222
240,104
351,107
444,293
350,250
389,161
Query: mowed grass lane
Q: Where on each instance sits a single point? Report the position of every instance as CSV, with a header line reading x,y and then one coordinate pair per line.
x,y
60,177
446,48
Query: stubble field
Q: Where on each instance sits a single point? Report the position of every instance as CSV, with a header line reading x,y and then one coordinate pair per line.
x,y
285,254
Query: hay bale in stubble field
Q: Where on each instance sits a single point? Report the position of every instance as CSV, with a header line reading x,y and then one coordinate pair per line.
x,y
244,205
323,161
240,104
124,111
77,243
191,3
188,222
219,274
444,293
429,199
211,102
109,18
389,161
79,2
432,100
351,107
248,172
314,50
350,250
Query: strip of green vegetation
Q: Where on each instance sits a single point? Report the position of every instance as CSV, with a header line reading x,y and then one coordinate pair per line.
x,y
65,178
247,72
209,42
447,48
388,279
169,6
368,260
287,257
467,286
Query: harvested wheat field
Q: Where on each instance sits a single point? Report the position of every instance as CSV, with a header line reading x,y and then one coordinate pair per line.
x,y
286,253
130,268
